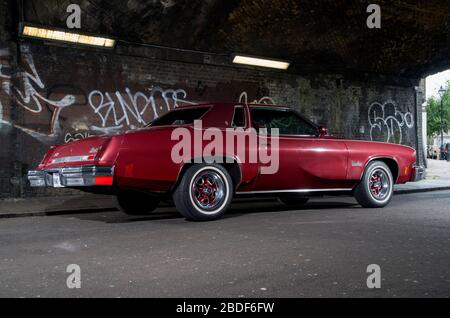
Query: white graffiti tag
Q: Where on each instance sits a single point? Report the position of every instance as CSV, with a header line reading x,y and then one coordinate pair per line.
x,y
30,99
243,98
387,122
118,110
69,137
28,96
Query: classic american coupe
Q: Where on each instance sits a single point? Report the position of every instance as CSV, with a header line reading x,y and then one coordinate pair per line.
x,y
144,166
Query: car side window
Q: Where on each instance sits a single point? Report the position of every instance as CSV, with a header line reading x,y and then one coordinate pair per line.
x,y
179,117
238,117
288,122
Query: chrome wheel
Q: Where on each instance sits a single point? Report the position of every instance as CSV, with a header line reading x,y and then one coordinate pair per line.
x,y
204,193
208,190
376,187
379,184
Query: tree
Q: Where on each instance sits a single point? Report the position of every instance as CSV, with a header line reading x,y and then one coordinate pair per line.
x,y
434,114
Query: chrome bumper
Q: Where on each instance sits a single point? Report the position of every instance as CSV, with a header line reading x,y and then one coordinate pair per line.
x,y
83,176
419,173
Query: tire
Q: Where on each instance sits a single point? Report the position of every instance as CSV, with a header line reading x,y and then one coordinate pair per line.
x,y
204,192
293,201
376,187
135,203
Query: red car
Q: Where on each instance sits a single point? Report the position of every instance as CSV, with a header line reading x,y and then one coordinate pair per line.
x,y
143,166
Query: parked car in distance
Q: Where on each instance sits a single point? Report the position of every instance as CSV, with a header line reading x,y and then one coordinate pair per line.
x,y
139,169
446,151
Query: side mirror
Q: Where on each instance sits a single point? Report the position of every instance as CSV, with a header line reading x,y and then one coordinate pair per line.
x,y
323,131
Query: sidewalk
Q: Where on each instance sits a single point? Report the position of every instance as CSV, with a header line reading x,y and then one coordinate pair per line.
x,y
438,170
438,178
422,186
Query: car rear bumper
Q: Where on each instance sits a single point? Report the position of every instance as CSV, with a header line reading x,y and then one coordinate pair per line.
x,y
80,176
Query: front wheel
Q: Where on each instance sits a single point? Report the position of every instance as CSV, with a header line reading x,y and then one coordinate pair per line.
x,y
204,193
376,187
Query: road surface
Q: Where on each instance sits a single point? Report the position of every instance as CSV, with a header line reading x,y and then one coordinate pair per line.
x,y
260,249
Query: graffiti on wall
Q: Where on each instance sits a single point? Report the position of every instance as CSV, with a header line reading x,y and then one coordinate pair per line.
x,y
387,123
243,98
77,135
115,111
107,111
124,109
118,110
29,96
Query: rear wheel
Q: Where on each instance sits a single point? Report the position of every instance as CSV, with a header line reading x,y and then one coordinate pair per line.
x,y
376,187
204,193
135,203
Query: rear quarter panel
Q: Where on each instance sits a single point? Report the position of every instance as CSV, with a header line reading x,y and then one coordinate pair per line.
x,y
144,160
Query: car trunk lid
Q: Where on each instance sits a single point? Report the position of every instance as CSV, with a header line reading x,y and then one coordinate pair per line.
x,y
80,152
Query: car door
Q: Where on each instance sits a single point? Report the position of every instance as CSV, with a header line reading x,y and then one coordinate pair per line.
x,y
305,159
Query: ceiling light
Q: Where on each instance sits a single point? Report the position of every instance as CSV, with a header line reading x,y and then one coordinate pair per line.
x,y
257,61
66,36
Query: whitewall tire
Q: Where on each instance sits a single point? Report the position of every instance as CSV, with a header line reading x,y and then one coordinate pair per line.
x,y
204,192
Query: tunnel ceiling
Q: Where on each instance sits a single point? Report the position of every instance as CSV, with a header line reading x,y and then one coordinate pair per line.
x,y
318,36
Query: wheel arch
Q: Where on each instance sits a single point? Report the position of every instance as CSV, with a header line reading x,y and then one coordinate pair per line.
x,y
391,162
231,164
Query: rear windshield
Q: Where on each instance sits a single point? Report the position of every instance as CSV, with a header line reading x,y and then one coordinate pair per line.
x,y
179,117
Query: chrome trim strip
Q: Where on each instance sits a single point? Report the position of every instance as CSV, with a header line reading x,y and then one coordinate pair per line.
x,y
295,191
73,159
69,176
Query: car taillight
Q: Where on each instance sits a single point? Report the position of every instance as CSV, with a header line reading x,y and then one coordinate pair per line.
x,y
103,180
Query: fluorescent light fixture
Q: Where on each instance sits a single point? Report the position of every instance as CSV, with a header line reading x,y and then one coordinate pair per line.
x,y
66,36
257,61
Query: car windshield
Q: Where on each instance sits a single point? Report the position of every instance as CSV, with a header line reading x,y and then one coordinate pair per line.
x,y
179,117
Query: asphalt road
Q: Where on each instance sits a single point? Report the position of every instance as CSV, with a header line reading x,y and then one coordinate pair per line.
x,y
258,250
